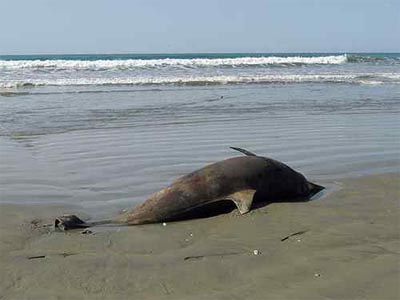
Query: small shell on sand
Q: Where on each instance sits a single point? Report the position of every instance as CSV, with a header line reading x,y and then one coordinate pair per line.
x,y
87,231
256,252
164,224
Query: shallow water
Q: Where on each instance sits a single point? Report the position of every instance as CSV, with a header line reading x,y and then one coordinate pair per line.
x,y
104,132
109,150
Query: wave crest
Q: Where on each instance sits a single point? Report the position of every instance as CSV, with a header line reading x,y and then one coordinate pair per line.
x,y
151,63
362,78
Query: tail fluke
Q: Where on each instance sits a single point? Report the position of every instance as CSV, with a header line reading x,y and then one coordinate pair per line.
x,y
67,222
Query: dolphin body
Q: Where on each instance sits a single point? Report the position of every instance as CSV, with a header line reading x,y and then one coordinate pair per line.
x,y
239,179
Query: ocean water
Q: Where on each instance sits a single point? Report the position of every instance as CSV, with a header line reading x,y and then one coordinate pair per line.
x,y
105,131
196,69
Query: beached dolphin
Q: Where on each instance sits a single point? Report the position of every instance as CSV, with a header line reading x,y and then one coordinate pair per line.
x,y
239,179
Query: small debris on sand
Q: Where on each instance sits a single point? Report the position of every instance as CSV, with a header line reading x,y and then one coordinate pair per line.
x,y
38,256
293,234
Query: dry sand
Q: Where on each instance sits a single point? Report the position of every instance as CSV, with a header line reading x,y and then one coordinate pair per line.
x,y
349,249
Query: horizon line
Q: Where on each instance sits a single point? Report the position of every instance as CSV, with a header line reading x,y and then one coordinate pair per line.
x,y
186,53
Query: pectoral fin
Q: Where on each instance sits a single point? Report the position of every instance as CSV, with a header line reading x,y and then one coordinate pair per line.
x,y
243,200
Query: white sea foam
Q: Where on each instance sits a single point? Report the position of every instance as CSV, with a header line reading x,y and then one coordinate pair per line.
x,y
150,63
362,78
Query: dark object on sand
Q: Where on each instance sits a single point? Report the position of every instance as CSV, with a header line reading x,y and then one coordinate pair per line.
x,y
66,222
241,180
37,256
293,234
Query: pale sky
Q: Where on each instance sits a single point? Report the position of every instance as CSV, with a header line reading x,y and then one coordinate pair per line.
x,y
169,26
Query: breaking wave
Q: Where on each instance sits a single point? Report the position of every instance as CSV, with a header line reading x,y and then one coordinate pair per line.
x,y
363,78
179,62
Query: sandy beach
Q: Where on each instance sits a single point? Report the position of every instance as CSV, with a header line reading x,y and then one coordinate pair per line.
x,y
345,246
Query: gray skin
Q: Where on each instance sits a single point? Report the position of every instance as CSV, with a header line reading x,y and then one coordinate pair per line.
x,y
238,179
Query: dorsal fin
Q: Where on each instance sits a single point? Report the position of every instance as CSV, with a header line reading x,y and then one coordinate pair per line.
x,y
248,153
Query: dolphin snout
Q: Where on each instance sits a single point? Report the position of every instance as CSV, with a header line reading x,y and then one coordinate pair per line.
x,y
314,188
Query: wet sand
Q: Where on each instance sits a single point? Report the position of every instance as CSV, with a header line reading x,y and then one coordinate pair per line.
x,y
346,247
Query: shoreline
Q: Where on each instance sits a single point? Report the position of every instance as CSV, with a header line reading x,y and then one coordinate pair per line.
x,y
342,246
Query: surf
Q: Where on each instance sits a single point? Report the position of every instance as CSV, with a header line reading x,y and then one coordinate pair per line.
x,y
109,64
